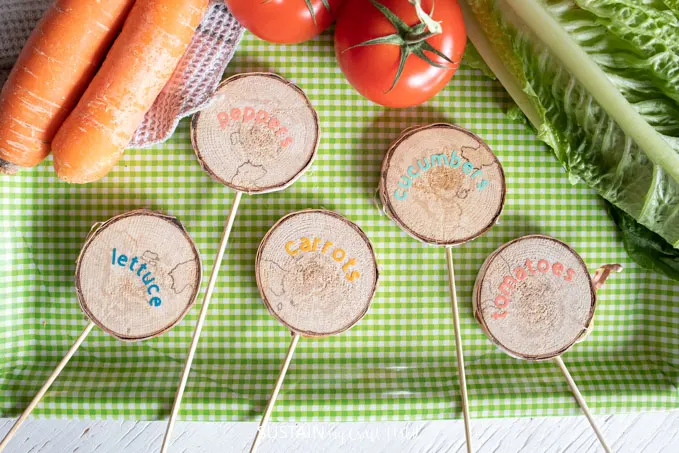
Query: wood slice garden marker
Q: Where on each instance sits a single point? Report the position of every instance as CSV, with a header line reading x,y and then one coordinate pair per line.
x,y
534,298
317,274
443,186
259,134
137,275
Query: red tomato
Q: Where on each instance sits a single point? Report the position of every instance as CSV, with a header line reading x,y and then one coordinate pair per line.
x,y
284,21
372,69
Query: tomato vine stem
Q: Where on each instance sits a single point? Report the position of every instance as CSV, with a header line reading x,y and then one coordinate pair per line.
x,y
313,13
411,39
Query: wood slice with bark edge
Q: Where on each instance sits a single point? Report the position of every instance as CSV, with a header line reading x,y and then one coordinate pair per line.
x,y
559,325
223,159
344,234
416,142
107,298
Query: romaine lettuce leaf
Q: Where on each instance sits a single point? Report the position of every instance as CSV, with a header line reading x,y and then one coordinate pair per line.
x,y
644,246
599,79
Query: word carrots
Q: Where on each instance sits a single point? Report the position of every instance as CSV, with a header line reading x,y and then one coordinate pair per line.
x,y
122,260
306,245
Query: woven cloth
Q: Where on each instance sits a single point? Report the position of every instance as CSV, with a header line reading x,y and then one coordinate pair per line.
x,y
192,83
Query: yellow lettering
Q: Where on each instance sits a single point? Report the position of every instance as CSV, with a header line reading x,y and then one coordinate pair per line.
x,y
306,245
288,248
338,255
351,262
353,276
327,245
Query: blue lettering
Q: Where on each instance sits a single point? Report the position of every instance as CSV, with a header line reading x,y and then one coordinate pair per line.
x,y
426,165
122,260
147,282
147,279
408,182
455,161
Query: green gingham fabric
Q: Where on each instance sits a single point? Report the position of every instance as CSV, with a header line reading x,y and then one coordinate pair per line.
x,y
399,362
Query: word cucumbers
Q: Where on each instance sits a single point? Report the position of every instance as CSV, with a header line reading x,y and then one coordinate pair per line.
x,y
438,160
306,245
152,289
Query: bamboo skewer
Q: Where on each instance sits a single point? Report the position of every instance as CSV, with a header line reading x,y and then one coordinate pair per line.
x,y
201,320
458,347
276,390
46,386
581,402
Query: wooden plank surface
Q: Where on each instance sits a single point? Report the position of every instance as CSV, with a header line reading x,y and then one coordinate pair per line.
x,y
634,433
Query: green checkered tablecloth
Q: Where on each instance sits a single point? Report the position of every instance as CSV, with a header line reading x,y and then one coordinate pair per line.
x,y
399,362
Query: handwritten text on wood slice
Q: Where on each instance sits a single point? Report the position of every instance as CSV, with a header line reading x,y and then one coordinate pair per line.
x,y
138,274
534,297
317,272
259,134
442,184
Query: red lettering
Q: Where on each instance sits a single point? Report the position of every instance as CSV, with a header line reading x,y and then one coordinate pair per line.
x,y
249,114
223,118
501,302
236,114
502,314
262,116
282,131
507,285
558,269
520,273
529,265
274,124
569,275
287,142
543,265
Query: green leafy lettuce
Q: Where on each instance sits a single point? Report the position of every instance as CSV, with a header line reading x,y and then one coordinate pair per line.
x,y
599,80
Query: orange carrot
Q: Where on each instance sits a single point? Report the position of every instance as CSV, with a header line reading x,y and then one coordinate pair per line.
x,y
55,66
140,62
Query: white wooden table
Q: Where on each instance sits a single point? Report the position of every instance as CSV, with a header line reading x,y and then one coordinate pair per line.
x,y
651,432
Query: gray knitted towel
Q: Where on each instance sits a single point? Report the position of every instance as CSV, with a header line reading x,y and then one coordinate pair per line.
x,y
193,81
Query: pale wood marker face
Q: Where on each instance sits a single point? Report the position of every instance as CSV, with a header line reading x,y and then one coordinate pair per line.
x,y
259,133
534,297
138,274
442,184
317,272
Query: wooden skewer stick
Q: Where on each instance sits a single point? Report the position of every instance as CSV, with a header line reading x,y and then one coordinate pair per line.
x,y
458,347
276,390
201,320
581,401
50,380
